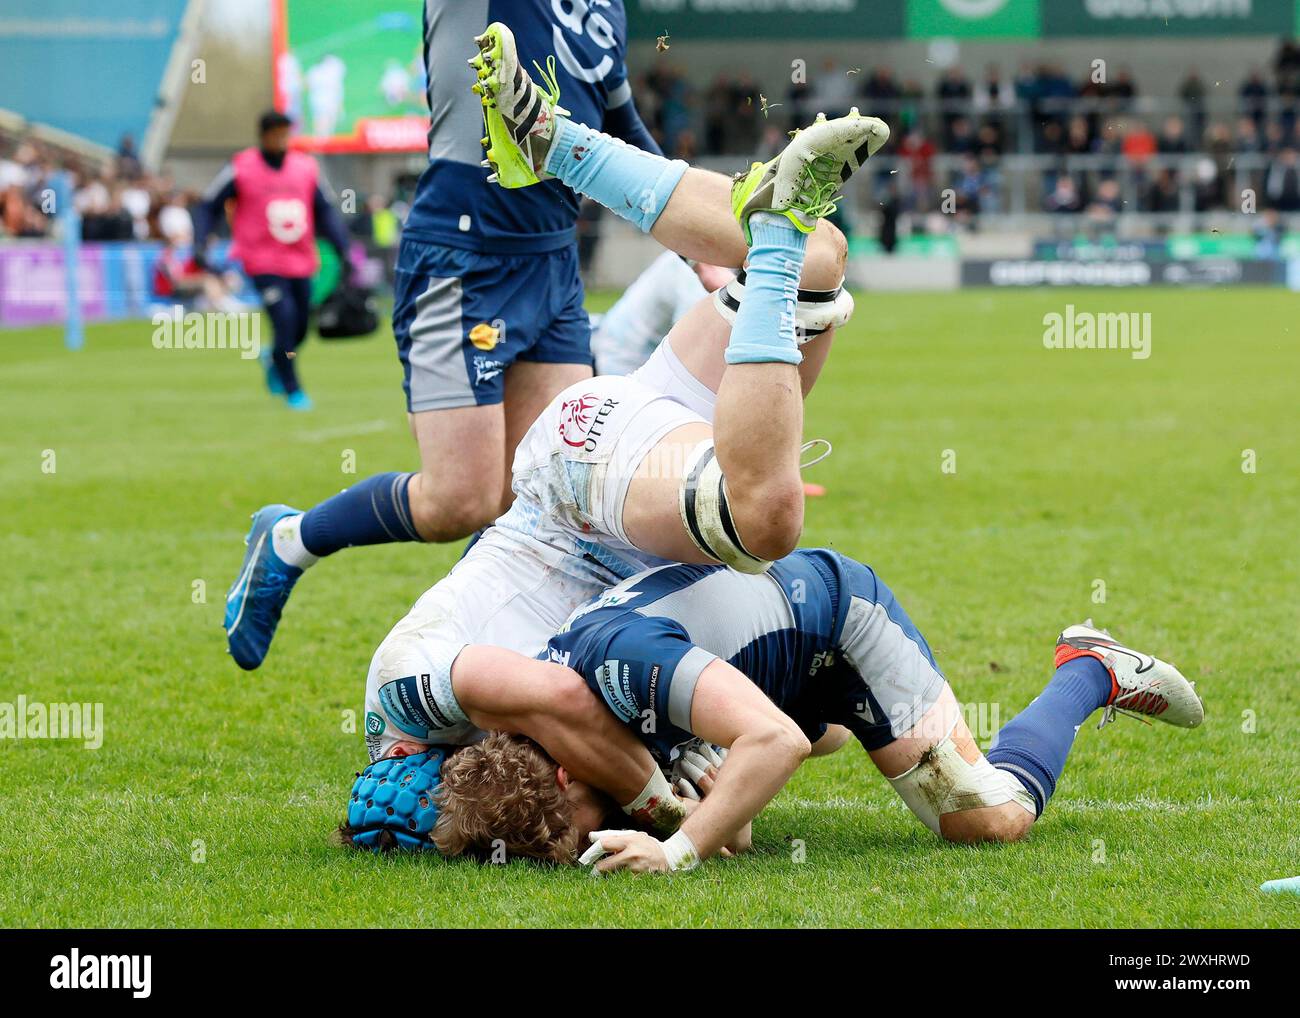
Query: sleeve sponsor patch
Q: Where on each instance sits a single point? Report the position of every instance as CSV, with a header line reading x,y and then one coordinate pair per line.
x,y
614,679
411,706
375,726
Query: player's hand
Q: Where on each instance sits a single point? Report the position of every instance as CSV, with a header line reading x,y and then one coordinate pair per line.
x,y
696,770
742,842
624,850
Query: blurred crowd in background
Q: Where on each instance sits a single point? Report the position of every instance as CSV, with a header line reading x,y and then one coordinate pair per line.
x,y
118,200
997,142
1094,145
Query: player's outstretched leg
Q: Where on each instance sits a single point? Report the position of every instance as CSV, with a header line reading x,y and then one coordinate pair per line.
x,y
965,796
736,493
285,541
1093,672
758,420
529,138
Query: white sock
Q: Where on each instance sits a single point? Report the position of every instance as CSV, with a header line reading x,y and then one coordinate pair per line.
x,y
286,539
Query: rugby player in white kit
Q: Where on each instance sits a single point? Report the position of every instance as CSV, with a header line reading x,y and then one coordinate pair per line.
x,y
621,473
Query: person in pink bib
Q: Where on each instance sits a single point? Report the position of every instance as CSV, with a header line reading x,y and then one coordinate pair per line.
x,y
278,204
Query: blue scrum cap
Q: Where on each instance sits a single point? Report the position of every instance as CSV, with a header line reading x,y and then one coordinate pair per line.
x,y
396,795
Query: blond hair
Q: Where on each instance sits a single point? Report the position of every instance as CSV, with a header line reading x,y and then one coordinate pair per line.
x,y
503,791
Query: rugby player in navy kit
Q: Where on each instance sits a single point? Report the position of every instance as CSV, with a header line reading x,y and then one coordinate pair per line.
x,y
488,311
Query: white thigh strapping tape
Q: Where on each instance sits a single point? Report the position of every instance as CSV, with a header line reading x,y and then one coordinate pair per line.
x,y
702,503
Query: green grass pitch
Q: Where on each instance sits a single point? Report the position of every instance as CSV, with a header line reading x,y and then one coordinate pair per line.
x,y
211,800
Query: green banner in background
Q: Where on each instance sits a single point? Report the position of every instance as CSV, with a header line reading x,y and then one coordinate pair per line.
x,y
964,19
738,20
1164,18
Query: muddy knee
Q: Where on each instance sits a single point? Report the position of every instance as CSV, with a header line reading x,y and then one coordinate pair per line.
x,y
965,799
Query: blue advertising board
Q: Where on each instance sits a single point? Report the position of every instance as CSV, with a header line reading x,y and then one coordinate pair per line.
x,y
85,66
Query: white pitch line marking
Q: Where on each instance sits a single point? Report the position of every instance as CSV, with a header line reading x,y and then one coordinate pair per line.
x,y
343,431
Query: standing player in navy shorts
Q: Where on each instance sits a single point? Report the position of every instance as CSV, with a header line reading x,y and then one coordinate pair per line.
x,y
488,315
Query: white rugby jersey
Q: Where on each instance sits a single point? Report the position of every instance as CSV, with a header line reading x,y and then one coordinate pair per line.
x,y
508,591
560,544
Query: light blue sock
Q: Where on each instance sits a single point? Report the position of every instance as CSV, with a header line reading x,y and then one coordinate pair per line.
x,y
628,181
764,330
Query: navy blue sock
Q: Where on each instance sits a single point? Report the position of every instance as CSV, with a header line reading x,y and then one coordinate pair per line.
x,y
1033,745
373,511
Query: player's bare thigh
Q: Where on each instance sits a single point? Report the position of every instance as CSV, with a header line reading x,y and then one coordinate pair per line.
x,y
462,460
466,452
529,388
651,517
651,514
1007,822
699,341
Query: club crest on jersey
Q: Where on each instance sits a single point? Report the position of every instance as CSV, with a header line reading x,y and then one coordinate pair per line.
x,y
484,336
375,726
583,420
486,369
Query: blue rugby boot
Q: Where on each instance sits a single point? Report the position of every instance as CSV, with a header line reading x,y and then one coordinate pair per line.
x,y
254,603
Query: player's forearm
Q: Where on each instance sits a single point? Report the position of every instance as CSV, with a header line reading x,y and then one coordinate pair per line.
x,y
758,766
594,748
553,706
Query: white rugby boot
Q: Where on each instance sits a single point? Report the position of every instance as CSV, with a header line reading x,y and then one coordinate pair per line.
x,y
1142,686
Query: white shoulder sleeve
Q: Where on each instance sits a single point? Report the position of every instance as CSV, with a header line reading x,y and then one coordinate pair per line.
x,y
409,695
